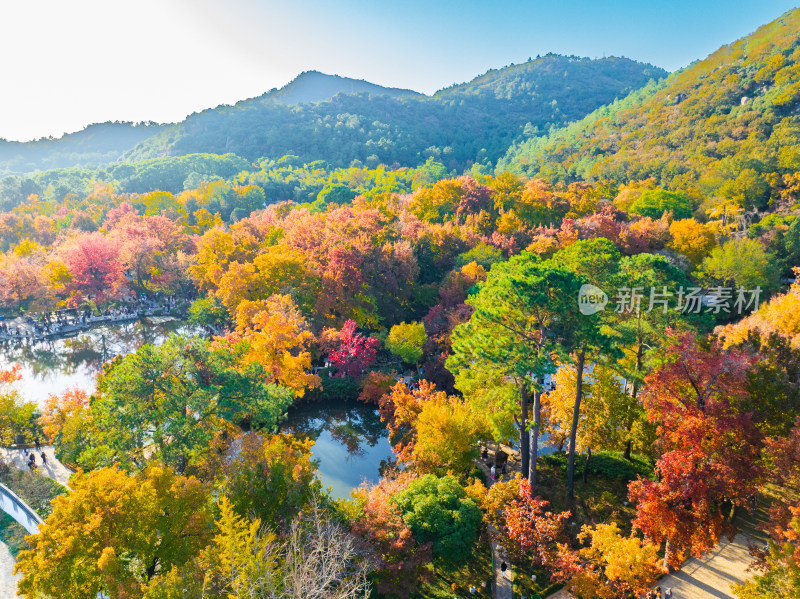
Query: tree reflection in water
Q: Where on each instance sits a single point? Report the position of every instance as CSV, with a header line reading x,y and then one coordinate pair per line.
x,y
351,443
53,366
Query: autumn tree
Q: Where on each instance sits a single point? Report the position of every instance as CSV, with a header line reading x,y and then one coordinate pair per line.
x,y
269,477
351,352
692,239
16,415
532,531
65,420
400,560
614,566
407,341
518,322
273,335
94,265
115,533
709,448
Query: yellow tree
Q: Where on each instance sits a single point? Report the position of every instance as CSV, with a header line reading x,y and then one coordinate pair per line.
x,y
615,566
273,333
446,436
115,534
692,239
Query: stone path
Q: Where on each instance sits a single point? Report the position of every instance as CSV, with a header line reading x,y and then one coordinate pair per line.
x,y
707,578
503,587
712,576
8,581
53,469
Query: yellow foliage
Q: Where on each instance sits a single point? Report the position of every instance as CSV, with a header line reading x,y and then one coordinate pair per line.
x,y
780,315
276,336
692,239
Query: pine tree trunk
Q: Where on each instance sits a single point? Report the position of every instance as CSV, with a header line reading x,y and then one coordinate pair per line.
x,y
627,454
574,431
537,411
523,432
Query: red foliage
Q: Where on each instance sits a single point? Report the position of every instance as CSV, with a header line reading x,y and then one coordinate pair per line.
x,y
93,262
538,533
399,559
710,447
355,352
10,375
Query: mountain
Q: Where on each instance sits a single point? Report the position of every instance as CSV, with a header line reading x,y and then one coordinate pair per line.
x,y
313,86
97,144
725,127
472,122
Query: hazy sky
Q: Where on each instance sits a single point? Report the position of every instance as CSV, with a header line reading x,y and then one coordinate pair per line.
x,y
68,63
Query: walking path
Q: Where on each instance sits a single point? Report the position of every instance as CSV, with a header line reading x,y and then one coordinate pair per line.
x,y
708,578
8,581
712,576
503,586
53,469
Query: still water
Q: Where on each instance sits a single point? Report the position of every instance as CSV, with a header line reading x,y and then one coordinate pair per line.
x,y
350,441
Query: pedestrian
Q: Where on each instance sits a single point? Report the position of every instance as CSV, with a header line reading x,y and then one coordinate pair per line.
x,y
44,459
36,442
658,592
668,593
492,472
504,569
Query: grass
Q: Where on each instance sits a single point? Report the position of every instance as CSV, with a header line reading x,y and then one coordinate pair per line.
x,y
35,490
602,498
12,534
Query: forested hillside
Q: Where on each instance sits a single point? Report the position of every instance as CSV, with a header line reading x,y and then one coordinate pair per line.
x,y
97,144
474,122
313,86
587,354
726,127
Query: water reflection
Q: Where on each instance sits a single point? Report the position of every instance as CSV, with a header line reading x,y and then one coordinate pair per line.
x,y
53,366
350,442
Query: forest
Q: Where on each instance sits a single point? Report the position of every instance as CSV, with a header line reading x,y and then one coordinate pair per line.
x,y
615,303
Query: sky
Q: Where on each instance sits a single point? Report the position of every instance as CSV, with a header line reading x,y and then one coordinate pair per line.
x,y
66,64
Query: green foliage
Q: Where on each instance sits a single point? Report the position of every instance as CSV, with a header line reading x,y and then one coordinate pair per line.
x,y
474,122
335,388
12,534
742,263
207,311
724,126
607,464
655,202
407,341
438,510
169,401
482,254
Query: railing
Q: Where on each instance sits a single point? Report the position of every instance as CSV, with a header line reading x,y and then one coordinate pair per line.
x,y
19,510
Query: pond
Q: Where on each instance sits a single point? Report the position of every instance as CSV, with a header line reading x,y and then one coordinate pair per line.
x,y
54,366
350,441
